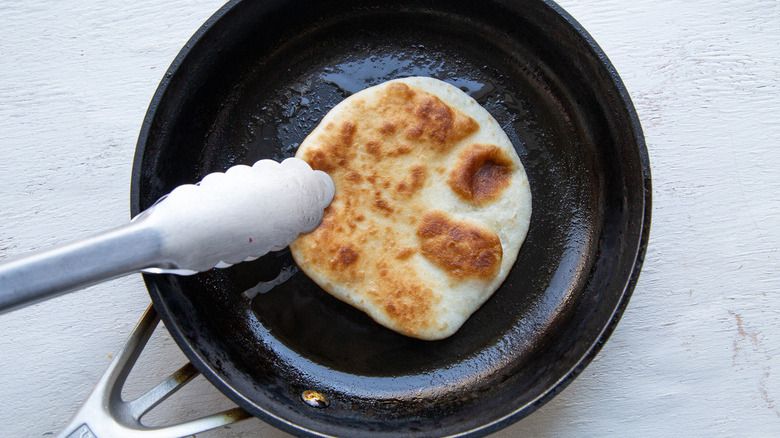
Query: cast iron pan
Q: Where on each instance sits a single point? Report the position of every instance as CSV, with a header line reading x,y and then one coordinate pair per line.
x,y
258,76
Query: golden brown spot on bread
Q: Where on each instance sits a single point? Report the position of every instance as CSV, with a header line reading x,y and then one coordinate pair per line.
x,y
437,117
347,134
417,178
462,249
347,255
387,128
439,123
409,308
419,175
318,160
405,302
481,173
354,177
405,253
414,132
399,149
373,148
382,204
400,90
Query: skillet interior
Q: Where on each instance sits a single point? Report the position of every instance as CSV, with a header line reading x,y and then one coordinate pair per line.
x,y
259,76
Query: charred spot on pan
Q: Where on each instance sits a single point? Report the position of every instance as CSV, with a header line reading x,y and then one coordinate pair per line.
x,y
481,173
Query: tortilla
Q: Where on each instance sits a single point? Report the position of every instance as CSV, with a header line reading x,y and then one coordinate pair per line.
x,y
432,205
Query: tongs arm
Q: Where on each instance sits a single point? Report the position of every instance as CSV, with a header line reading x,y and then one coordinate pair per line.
x,y
53,272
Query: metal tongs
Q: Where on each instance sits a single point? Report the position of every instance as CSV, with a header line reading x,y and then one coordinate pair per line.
x,y
225,219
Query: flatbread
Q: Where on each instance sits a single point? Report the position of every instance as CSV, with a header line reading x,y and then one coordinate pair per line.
x,y
432,205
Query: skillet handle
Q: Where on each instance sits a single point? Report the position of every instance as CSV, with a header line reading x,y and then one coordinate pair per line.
x,y
104,414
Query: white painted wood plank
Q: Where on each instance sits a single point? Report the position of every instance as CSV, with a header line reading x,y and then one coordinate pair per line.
x,y
696,352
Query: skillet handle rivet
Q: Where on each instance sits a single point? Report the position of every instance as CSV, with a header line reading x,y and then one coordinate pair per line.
x,y
315,399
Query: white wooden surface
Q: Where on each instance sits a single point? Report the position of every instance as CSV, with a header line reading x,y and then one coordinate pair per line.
x,y
697,353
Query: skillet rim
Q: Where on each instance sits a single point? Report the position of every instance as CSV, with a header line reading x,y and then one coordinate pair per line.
x,y
200,362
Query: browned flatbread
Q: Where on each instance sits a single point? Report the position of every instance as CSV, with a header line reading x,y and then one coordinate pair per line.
x,y
432,205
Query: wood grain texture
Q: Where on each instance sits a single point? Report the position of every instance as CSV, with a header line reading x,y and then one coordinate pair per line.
x,y
697,352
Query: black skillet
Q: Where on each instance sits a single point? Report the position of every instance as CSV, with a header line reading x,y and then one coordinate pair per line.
x,y
258,76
